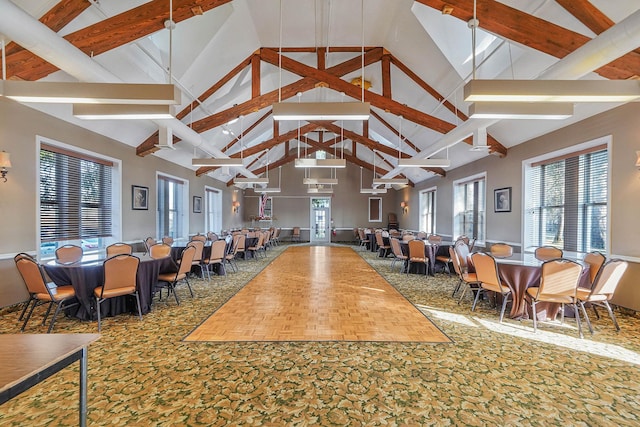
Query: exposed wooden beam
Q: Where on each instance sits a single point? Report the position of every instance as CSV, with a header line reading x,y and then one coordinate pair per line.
x,y
392,129
512,24
386,75
350,158
370,143
375,99
216,86
110,33
255,76
247,131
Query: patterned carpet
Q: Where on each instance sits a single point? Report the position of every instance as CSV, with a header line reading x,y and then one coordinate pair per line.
x,y
143,374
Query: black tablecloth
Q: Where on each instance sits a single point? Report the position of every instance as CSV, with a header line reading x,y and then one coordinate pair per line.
x,y
86,277
176,253
430,252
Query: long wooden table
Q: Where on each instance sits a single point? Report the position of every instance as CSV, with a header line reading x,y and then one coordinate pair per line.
x,y
28,359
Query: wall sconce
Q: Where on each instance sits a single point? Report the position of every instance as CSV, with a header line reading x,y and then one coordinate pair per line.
x,y
405,207
5,164
236,206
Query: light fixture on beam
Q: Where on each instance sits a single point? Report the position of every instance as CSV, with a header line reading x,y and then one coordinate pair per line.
x,y
122,111
320,181
230,162
320,190
390,181
521,110
373,190
321,111
424,163
552,90
321,163
90,93
251,181
268,190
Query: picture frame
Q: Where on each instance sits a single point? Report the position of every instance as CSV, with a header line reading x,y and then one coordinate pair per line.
x,y
197,204
139,198
502,199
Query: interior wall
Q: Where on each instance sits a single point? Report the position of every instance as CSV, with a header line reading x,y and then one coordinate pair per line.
x,y
19,127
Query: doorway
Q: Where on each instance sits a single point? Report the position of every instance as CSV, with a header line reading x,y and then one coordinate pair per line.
x,y
320,220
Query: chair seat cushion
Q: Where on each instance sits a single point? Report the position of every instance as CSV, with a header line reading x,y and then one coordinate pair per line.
x,y
414,259
443,258
560,299
116,292
585,295
59,293
170,277
470,277
496,288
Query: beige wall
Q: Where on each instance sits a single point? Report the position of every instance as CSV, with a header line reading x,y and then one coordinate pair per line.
x,y
19,127
623,125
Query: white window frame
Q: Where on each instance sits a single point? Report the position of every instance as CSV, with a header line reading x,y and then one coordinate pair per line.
x,y
184,203
423,201
605,140
116,196
373,199
456,183
213,214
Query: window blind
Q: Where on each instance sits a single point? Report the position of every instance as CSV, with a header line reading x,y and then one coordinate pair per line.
x,y
566,202
470,209
75,196
428,211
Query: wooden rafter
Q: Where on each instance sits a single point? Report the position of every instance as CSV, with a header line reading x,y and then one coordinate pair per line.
x,y
263,101
110,33
536,33
375,99
56,19
247,131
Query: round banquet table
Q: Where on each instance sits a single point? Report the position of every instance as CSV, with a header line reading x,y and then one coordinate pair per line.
x,y
520,272
88,274
177,248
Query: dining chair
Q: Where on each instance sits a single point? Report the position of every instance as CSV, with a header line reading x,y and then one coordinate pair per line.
x,y
595,260
398,255
276,236
120,278
119,248
558,284
218,255
68,254
408,237
546,253
167,240
41,292
489,278
211,236
295,234
363,238
230,257
199,237
159,250
258,246
148,242
501,250
465,279
383,249
417,255
240,246
198,256
421,235
434,239
603,289
172,279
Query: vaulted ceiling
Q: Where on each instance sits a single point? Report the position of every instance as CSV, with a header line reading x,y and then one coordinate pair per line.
x,y
234,59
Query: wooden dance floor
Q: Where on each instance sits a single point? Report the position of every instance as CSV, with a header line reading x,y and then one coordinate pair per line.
x,y
318,293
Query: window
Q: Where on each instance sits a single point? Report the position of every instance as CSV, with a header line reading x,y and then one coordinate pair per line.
x,y
213,209
566,201
469,209
172,203
76,199
428,210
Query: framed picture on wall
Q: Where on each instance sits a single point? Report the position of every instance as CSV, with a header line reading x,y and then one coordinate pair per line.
x,y
375,209
502,199
139,198
197,204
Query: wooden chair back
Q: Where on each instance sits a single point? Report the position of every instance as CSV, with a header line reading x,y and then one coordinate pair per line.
x,y
396,248
487,270
217,251
167,240
595,261
416,250
159,250
559,280
120,275
69,254
501,250
546,253
119,248
199,238
33,276
199,245
608,278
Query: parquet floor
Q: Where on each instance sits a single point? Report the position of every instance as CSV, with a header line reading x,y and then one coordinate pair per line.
x,y
318,293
